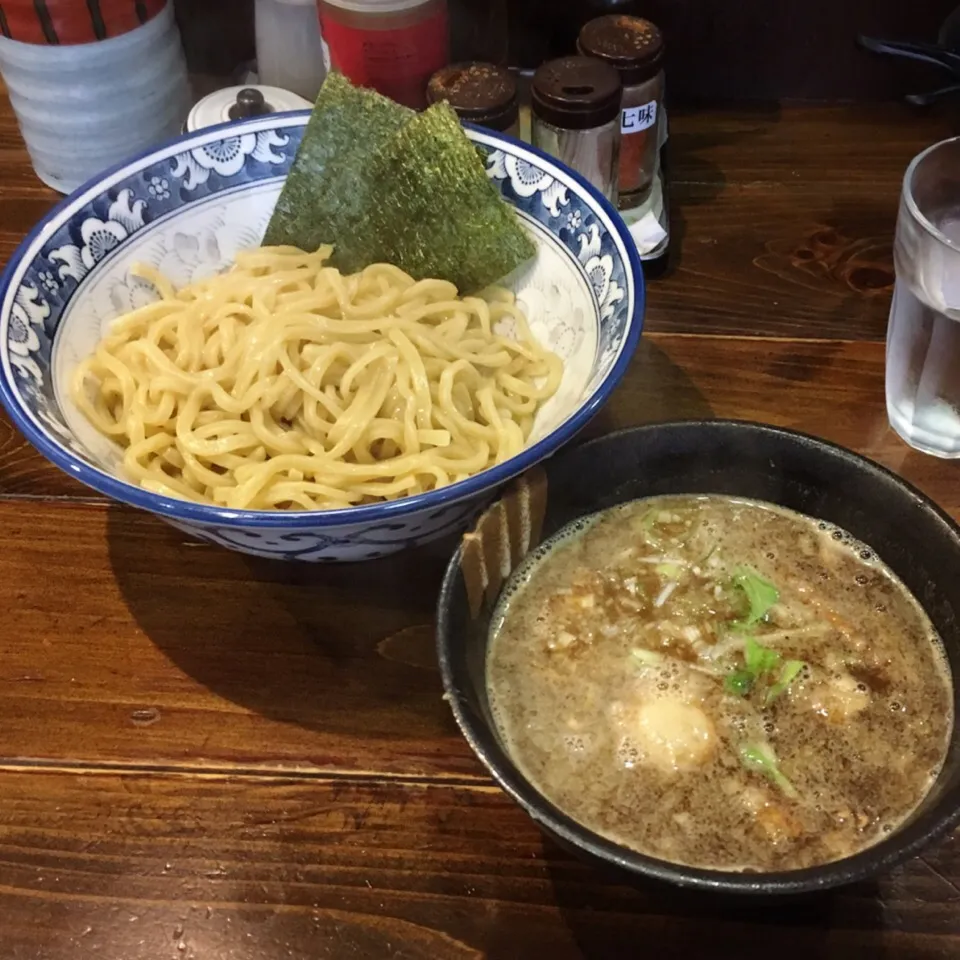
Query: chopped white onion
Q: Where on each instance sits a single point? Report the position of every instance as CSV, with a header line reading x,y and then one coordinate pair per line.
x,y
664,595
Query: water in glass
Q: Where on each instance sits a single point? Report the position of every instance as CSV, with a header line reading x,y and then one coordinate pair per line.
x,y
923,337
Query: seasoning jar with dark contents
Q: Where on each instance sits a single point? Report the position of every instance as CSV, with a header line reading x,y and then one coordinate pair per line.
x,y
480,93
635,48
576,117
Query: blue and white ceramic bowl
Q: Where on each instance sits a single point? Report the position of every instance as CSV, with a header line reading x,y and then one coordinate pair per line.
x,y
187,208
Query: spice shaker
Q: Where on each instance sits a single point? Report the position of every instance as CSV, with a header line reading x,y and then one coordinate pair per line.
x,y
480,93
576,117
635,48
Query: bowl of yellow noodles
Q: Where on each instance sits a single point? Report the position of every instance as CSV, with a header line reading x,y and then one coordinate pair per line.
x,y
260,399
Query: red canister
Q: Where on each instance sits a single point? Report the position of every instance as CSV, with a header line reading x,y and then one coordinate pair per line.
x,y
73,21
393,46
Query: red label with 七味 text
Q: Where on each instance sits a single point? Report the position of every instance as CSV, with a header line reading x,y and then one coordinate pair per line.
x,y
397,63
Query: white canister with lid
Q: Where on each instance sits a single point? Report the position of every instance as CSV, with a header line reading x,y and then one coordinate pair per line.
x,y
393,46
83,107
234,103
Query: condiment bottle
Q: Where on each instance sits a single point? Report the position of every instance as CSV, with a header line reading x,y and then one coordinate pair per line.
x,y
480,93
635,48
290,51
392,46
576,117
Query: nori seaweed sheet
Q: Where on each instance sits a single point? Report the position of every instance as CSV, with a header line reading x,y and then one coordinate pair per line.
x,y
440,215
383,184
326,190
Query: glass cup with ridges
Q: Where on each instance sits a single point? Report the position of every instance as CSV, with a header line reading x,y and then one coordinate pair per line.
x,y
923,336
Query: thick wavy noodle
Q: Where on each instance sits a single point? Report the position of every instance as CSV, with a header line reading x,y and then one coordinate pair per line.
x,y
283,384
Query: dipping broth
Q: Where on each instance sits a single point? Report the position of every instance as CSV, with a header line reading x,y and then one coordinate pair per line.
x,y
720,683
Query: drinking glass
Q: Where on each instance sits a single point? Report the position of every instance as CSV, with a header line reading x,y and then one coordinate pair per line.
x,y
923,336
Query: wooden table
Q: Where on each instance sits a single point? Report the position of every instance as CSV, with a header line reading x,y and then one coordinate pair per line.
x,y
209,756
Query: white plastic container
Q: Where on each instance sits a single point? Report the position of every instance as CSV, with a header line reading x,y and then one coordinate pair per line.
x,y
83,107
290,51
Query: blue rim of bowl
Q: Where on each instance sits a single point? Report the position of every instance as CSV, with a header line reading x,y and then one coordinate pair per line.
x,y
488,479
905,842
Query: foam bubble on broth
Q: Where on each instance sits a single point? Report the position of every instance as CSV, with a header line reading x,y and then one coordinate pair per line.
x,y
786,702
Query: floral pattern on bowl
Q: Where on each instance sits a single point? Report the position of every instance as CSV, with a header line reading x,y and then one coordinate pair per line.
x,y
187,209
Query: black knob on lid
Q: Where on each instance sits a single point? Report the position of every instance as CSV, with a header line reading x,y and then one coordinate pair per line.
x,y
250,103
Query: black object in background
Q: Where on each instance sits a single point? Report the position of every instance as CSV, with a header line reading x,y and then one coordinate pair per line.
x,y
932,54
943,57
218,35
480,30
950,32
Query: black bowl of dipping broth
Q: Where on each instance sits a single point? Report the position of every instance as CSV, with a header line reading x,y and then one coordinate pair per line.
x,y
907,531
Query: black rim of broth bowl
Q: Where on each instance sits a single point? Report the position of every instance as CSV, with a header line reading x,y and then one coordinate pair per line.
x,y
745,459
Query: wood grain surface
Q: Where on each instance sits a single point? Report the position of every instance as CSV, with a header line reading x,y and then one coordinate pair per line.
x,y
204,755
178,867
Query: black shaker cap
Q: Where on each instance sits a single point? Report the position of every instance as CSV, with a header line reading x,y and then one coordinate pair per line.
x,y
576,93
633,46
479,93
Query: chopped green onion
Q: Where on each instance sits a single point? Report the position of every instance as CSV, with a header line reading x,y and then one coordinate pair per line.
x,y
648,520
758,663
760,659
761,594
649,658
644,528
760,758
739,683
788,674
